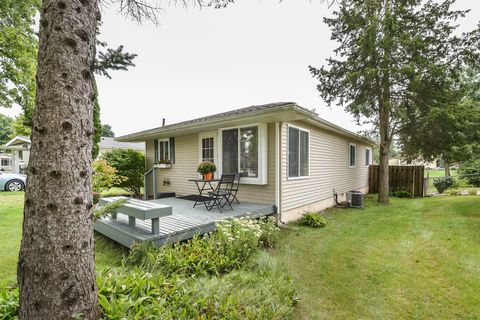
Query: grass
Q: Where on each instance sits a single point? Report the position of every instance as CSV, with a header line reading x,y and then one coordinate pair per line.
x,y
439,173
107,252
414,259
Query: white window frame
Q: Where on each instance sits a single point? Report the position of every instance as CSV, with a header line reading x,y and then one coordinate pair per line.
x,y
262,178
168,149
309,152
205,135
350,156
369,158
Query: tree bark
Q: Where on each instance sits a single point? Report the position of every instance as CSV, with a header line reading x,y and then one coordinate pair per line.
x,y
56,270
384,174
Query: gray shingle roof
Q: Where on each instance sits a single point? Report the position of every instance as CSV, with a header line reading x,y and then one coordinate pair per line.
x,y
110,143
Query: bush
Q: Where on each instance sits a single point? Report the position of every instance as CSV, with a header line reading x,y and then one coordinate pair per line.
x,y
471,172
130,164
472,191
8,303
219,252
443,184
402,194
454,192
313,219
104,176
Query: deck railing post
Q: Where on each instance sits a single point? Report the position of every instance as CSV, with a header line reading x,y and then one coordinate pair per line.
x,y
145,187
156,226
154,183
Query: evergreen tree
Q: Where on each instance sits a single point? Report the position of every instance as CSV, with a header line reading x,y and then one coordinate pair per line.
x,y
107,131
395,57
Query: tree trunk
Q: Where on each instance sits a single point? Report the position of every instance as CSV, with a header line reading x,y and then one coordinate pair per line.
x,y
56,270
383,176
447,168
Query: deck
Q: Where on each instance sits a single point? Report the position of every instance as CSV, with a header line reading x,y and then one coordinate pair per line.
x,y
184,223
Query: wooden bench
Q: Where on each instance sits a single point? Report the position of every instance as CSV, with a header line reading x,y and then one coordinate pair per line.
x,y
140,209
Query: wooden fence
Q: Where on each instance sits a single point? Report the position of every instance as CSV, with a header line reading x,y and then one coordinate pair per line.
x,y
409,178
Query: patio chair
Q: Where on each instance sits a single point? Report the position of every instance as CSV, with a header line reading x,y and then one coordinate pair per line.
x,y
236,185
222,193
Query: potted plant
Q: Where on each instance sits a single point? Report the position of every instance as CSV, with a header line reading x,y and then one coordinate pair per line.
x,y
206,169
162,164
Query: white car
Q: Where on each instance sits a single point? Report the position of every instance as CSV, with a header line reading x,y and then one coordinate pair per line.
x,y
12,181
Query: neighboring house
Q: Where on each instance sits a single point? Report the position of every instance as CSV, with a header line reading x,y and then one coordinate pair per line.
x,y
19,148
20,151
287,155
397,161
5,162
107,144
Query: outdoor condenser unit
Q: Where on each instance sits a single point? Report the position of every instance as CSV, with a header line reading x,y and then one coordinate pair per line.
x,y
355,199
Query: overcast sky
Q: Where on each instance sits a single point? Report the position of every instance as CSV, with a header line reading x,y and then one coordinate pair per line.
x,y
201,62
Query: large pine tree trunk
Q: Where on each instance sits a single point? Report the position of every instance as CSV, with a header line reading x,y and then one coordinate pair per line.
x,y
56,271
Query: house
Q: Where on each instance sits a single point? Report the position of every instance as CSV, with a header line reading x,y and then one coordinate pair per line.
x,y
20,151
5,162
288,157
19,148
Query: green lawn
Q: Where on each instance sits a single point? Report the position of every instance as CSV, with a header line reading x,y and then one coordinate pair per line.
x,y
11,203
414,259
439,173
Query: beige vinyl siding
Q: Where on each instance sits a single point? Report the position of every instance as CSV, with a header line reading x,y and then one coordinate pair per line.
x,y
329,168
185,166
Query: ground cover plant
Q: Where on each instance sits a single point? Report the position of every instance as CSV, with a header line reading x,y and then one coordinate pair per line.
x,y
225,274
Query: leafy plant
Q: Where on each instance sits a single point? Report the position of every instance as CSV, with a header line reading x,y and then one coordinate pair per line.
x,y
128,163
454,192
472,191
402,194
104,176
206,167
442,184
108,208
470,171
313,219
8,303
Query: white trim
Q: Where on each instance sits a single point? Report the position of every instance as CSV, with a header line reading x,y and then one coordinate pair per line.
x,y
309,152
350,144
277,167
369,158
262,178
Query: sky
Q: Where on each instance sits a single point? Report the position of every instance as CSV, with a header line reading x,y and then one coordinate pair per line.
x,y
199,62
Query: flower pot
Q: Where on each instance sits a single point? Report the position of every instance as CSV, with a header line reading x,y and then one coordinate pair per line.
x,y
208,176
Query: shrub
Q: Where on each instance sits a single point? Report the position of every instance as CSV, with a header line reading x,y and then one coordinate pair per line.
x,y
454,192
472,191
313,219
443,184
104,176
8,303
128,163
471,172
206,167
235,241
402,194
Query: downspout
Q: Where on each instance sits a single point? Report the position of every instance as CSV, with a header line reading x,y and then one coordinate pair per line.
x,y
278,171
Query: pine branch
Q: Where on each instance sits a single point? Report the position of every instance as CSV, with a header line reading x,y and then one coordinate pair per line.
x,y
113,59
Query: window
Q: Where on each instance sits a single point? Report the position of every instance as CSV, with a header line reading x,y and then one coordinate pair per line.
x,y
207,149
240,151
20,154
298,152
367,156
352,153
163,150
5,162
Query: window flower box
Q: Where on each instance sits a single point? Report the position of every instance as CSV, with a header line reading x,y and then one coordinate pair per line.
x,y
162,165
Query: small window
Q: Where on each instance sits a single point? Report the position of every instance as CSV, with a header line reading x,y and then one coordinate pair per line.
x,y
352,153
298,152
5,162
367,157
20,154
207,149
163,150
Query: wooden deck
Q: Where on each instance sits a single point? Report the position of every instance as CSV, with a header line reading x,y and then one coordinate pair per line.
x,y
183,224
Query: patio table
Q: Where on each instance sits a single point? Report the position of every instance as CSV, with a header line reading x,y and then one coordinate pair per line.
x,y
203,186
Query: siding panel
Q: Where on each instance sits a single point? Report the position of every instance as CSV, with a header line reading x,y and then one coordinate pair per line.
x,y
329,169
